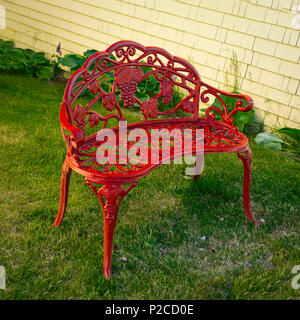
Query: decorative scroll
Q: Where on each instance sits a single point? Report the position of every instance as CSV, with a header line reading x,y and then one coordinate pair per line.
x,y
225,115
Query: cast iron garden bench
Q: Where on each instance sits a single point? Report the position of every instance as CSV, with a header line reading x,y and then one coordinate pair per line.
x,y
127,63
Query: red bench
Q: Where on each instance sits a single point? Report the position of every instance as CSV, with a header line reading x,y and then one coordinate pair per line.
x,y
125,61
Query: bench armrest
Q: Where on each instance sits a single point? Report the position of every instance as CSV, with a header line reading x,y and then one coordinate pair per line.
x,y
77,137
226,117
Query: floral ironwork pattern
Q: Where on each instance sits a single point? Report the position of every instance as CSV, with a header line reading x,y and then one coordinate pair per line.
x,y
216,136
126,68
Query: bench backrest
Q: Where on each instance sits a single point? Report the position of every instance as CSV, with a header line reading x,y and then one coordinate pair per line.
x,y
121,76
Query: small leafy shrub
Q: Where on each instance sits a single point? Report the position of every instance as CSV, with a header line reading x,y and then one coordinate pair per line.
x,y
292,137
25,61
37,64
72,61
289,139
269,140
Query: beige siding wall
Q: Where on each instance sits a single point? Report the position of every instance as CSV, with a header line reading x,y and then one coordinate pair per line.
x,y
262,33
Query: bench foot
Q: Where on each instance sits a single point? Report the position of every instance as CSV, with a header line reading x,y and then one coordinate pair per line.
x,y
65,178
196,177
110,197
247,162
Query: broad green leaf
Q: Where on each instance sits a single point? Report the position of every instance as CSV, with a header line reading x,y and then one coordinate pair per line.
x,y
85,90
110,74
15,54
30,63
141,89
17,65
74,69
146,69
90,52
112,57
243,118
73,61
291,132
269,140
4,63
6,44
106,86
29,52
142,96
40,58
44,72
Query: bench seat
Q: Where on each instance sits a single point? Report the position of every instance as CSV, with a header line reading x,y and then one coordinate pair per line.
x,y
218,137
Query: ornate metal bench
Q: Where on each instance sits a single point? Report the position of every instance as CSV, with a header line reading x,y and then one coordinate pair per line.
x,y
125,63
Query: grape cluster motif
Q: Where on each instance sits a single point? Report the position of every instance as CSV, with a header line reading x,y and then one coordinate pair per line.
x,y
128,91
127,79
167,90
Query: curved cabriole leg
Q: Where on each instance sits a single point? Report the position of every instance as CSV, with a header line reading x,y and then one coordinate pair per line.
x,y
247,162
110,197
65,178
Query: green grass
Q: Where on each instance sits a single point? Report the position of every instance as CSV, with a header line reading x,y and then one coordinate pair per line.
x,y
160,224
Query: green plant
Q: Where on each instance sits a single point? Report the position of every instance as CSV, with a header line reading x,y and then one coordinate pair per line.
x,y
290,139
24,61
254,128
72,61
269,140
35,63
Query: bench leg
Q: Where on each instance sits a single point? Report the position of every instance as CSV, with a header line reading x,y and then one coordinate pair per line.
x,y
110,197
196,177
65,178
247,162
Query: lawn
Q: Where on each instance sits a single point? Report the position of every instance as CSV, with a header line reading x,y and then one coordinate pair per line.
x,y
162,222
